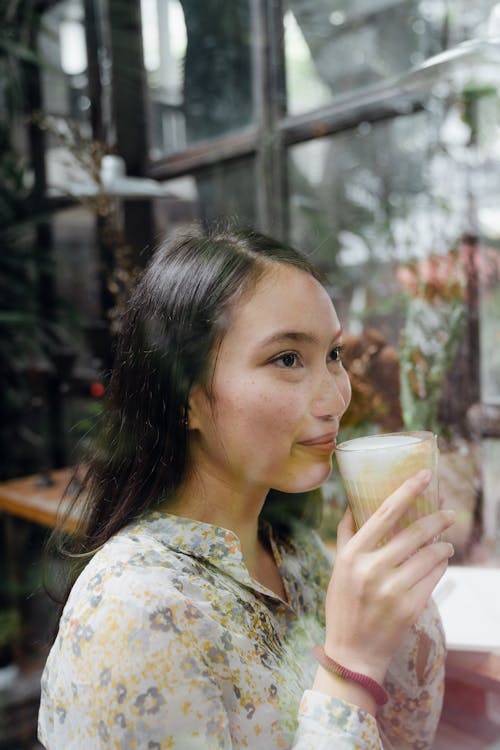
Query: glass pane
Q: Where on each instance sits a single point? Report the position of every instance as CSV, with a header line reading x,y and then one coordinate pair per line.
x,y
226,191
64,83
61,46
488,262
198,61
403,216
336,48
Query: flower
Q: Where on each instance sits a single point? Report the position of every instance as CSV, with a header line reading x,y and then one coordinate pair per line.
x,y
372,366
437,278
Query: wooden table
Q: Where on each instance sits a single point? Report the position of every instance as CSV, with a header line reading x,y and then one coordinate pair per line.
x,y
25,498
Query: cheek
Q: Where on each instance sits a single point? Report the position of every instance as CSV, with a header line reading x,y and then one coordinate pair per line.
x,y
261,413
346,391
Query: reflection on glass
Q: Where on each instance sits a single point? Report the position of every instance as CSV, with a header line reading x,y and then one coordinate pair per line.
x,y
489,269
491,451
486,183
198,62
403,216
216,194
336,48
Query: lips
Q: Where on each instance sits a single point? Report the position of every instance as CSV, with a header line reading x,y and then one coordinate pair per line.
x,y
325,442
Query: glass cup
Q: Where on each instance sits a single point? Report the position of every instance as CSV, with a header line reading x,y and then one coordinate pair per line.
x,y
373,467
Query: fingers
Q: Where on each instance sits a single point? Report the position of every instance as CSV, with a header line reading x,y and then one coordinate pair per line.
x,y
422,590
407,590
413,582
345,529
420,565
417,535
388,514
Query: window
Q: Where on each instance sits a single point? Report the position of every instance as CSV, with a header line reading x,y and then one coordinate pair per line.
x,y
335,49
198,62
368,133
365,133
65,90
209,195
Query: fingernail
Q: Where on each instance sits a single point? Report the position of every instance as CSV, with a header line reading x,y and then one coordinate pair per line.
x,y
449,515
451,550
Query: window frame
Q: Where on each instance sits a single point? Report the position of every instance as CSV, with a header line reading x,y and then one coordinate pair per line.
x,y
402,95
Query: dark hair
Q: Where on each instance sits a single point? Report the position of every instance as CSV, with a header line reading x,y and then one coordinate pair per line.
x,y
177,315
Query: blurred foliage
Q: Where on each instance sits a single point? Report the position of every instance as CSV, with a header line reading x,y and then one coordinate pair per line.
x,y
490,322
372,365
10,625
435,322
117,255
19,343
31,337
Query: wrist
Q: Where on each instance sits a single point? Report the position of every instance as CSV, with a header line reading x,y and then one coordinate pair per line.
x,y
371,666
332,685
373,687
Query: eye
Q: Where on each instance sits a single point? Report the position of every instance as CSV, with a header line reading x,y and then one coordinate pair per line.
x,y
336,354
288,360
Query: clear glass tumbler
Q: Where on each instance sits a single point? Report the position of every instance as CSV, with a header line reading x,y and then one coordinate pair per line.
x,y
373,467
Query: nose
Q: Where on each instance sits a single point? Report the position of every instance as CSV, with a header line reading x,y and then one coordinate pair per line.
x,y
333,396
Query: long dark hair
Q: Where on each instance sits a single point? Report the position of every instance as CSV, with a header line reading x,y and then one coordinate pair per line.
x,y
177,316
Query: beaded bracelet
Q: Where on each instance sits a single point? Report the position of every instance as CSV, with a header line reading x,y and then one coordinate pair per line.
x,y
376,691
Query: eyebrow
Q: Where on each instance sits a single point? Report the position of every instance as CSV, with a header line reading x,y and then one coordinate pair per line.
x,y
295,336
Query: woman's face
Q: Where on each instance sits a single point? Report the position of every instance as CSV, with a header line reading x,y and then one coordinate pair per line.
x,y
278,390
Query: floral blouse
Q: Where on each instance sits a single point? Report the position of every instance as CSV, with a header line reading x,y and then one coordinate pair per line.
x,y
167,642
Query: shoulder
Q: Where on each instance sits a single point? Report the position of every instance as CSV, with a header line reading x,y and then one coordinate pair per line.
x,y
131,635
125,567
133,584
131,613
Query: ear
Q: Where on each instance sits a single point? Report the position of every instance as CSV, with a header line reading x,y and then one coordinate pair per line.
x,y
197,405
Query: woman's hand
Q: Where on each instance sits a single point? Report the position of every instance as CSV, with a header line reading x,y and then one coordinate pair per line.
x,y
378,590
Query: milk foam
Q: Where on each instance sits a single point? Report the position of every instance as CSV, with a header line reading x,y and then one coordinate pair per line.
x,y
377,452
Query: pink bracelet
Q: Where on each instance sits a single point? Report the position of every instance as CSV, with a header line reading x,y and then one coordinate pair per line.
x,y
376,691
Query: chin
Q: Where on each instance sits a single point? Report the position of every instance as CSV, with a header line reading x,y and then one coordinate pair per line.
x,y
307,480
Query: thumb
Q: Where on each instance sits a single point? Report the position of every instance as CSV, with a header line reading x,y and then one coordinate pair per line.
x,y
346,529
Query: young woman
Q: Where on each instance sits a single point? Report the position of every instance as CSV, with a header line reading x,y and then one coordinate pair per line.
x,y
192,625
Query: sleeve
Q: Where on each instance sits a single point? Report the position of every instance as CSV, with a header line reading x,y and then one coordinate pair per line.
x,y
326,723
408,721
415,683
128,678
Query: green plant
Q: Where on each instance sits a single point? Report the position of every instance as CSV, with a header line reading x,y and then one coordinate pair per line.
x,y
10,624
19,343
119,266
435,320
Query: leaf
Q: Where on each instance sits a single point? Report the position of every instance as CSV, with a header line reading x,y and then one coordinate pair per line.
x,y
18,50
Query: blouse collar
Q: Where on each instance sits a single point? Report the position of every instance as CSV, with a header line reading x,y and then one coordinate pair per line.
x,y
214,544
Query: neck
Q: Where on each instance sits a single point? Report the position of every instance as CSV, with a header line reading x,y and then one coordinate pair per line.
x,y
206,498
